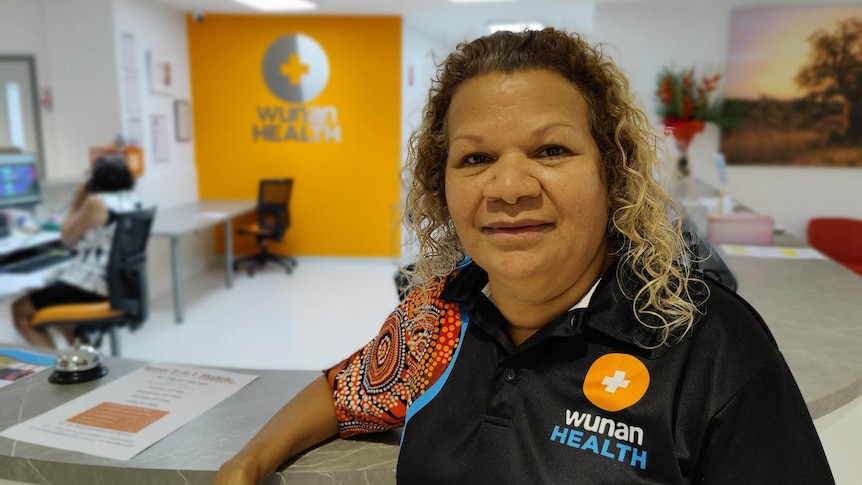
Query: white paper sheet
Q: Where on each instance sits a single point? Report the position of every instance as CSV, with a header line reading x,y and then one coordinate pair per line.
x,y
123,418
772,252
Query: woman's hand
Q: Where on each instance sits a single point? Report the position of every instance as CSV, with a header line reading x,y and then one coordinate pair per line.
x,y
308,419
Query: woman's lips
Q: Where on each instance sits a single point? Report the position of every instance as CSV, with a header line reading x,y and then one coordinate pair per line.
x,y
517,228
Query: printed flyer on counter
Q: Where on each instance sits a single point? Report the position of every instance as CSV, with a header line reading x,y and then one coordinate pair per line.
x,y
124,417
18,363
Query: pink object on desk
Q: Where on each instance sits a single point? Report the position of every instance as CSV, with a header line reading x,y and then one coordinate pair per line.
x,y
740,229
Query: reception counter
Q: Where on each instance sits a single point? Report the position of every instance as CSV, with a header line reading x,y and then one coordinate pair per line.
x,y
191,454
812,306
814,309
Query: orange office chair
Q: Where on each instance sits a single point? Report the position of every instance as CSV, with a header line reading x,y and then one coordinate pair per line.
x,y
127,303
273,220
840,238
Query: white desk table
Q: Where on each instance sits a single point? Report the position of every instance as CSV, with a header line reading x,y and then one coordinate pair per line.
x,y
202,214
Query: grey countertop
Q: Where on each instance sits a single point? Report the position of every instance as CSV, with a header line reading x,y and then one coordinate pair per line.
x,y
191,454
814,309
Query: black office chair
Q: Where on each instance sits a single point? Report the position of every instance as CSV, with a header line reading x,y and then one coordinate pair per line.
x,y
705,260
273,220
402,280
128,297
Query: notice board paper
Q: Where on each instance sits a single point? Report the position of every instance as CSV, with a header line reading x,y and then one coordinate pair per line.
x,y
123,418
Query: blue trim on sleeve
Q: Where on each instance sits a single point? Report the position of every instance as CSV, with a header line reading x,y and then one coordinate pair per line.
x,y
432,391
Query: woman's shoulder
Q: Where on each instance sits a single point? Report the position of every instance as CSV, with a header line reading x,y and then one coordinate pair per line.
x,y
735,311
93,210
731,329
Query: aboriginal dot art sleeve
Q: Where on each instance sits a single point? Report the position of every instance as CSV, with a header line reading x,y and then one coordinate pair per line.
x,y
373,388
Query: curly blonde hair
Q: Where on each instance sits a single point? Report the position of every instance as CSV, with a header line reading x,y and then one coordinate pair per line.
x,y
643,227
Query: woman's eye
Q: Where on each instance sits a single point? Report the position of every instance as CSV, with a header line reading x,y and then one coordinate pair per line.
x,y
475,159
553,151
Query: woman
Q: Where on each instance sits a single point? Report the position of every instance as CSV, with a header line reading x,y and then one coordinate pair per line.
x,y
88,227
556,333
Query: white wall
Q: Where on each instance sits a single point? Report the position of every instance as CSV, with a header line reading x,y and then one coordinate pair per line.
x,y
80,71
419,57
645,36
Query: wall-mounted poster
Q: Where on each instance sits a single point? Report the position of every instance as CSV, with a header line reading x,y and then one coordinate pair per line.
x,y
793,86
128,59
128,52
160,138
161,72
182,120
134,131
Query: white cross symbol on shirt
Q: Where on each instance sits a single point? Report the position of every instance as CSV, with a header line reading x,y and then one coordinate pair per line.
x,y
617,381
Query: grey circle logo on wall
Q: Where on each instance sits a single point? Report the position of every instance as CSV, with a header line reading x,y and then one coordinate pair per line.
x,y
295,68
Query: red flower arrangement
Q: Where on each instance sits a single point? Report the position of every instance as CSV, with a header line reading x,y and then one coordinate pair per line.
x,y
685,103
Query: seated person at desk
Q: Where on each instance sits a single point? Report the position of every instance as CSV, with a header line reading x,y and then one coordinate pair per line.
x,y
89,230
554,333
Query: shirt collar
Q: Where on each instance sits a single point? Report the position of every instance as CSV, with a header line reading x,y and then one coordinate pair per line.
x,y
605,308
584,302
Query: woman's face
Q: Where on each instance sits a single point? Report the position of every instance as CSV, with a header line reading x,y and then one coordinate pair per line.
x,y
523,180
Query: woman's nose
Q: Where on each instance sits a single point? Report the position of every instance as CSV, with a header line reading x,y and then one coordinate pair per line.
x,y
510,179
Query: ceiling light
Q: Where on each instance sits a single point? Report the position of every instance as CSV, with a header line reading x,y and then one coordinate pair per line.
x,y
516,26
279,5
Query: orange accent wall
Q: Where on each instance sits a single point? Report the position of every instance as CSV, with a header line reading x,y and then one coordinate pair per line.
x,y
346,194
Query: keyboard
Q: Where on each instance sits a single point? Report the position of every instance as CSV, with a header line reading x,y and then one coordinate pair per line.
x,y
37,262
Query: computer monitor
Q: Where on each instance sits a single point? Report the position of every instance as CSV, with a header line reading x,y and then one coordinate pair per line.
x,y
19,180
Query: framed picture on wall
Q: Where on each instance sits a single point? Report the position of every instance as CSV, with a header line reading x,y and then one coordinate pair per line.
x,y
161,72
182,120
789,87
160,137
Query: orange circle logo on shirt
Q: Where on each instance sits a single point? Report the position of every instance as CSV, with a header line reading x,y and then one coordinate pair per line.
x,y
616,381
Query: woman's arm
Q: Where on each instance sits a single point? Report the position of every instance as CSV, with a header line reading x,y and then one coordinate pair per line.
x,y
308,419
88,210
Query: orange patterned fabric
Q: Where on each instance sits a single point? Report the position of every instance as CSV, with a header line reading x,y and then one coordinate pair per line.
x,y
373,388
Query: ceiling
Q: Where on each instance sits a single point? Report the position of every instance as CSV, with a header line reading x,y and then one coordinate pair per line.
x,y
441,20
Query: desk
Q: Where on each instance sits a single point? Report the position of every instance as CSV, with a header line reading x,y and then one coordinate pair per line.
x,y
202,214
192,453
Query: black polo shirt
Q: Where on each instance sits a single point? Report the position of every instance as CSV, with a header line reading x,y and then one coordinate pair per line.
x,y
580,402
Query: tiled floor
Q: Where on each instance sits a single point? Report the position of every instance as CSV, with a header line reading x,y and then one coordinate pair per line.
x,y
310,319
320,314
